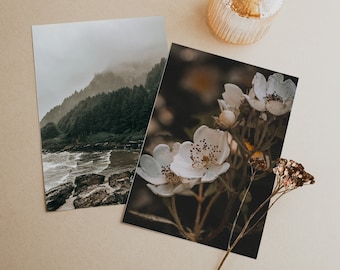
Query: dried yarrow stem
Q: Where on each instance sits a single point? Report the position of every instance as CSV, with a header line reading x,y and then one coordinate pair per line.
x,y
258,164
291,174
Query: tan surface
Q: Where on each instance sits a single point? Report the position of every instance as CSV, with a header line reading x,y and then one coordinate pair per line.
x,y
302,232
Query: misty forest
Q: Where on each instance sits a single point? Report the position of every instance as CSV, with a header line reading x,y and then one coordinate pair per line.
x,y
111,112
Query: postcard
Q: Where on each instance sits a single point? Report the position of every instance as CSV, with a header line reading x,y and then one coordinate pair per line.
x,y
96,83
206,168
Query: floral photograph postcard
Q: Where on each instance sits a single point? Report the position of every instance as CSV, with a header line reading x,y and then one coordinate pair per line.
x,y
205,173
96,84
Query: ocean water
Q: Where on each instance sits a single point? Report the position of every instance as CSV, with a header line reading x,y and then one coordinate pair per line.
x,y
61,167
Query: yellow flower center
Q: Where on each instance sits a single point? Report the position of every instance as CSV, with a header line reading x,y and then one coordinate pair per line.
x,y
203,154
274,97
170,176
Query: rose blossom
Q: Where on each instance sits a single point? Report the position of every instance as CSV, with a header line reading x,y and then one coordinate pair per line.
x,y
275,95
156,171
204,157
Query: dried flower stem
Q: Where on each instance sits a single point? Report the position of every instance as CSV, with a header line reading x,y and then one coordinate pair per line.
x,y
244,230
289,176
240,207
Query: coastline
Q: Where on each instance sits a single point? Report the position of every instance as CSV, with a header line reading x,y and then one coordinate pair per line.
x,y
48,146
109,187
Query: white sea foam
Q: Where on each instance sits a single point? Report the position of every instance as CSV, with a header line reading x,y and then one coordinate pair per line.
x,y
61,167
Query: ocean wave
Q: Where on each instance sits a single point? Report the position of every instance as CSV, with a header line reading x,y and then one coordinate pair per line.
x,y
61,167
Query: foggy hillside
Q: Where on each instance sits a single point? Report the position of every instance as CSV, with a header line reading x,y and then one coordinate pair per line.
x,y
130,74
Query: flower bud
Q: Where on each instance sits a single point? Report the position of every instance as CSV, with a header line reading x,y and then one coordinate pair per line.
x,y
227,118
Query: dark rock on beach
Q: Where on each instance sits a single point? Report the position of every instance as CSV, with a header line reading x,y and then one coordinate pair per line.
x,y
121,182
82,182
57,196
89,190
94,196
120,179
90,194
122,195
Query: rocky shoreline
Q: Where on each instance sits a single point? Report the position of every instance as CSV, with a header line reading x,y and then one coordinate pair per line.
x,y
85,146
90,190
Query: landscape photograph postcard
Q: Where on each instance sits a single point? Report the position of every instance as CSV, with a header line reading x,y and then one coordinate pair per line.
x,y
205,173
96,84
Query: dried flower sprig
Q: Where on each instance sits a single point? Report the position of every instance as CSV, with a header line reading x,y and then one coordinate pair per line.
x,y
259,164
289,176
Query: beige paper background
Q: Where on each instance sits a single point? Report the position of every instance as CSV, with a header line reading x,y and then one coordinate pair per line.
x,y
302,230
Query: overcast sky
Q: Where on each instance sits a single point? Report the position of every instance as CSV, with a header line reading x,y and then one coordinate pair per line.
x,y
68,55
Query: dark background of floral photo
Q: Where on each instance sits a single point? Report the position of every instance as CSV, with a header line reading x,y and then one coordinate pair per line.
x,y
192,82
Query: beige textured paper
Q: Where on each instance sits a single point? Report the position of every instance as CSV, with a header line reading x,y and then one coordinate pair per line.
x,y
302,230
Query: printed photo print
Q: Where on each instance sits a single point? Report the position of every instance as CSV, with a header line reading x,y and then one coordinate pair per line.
x,y
206,168
96,84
